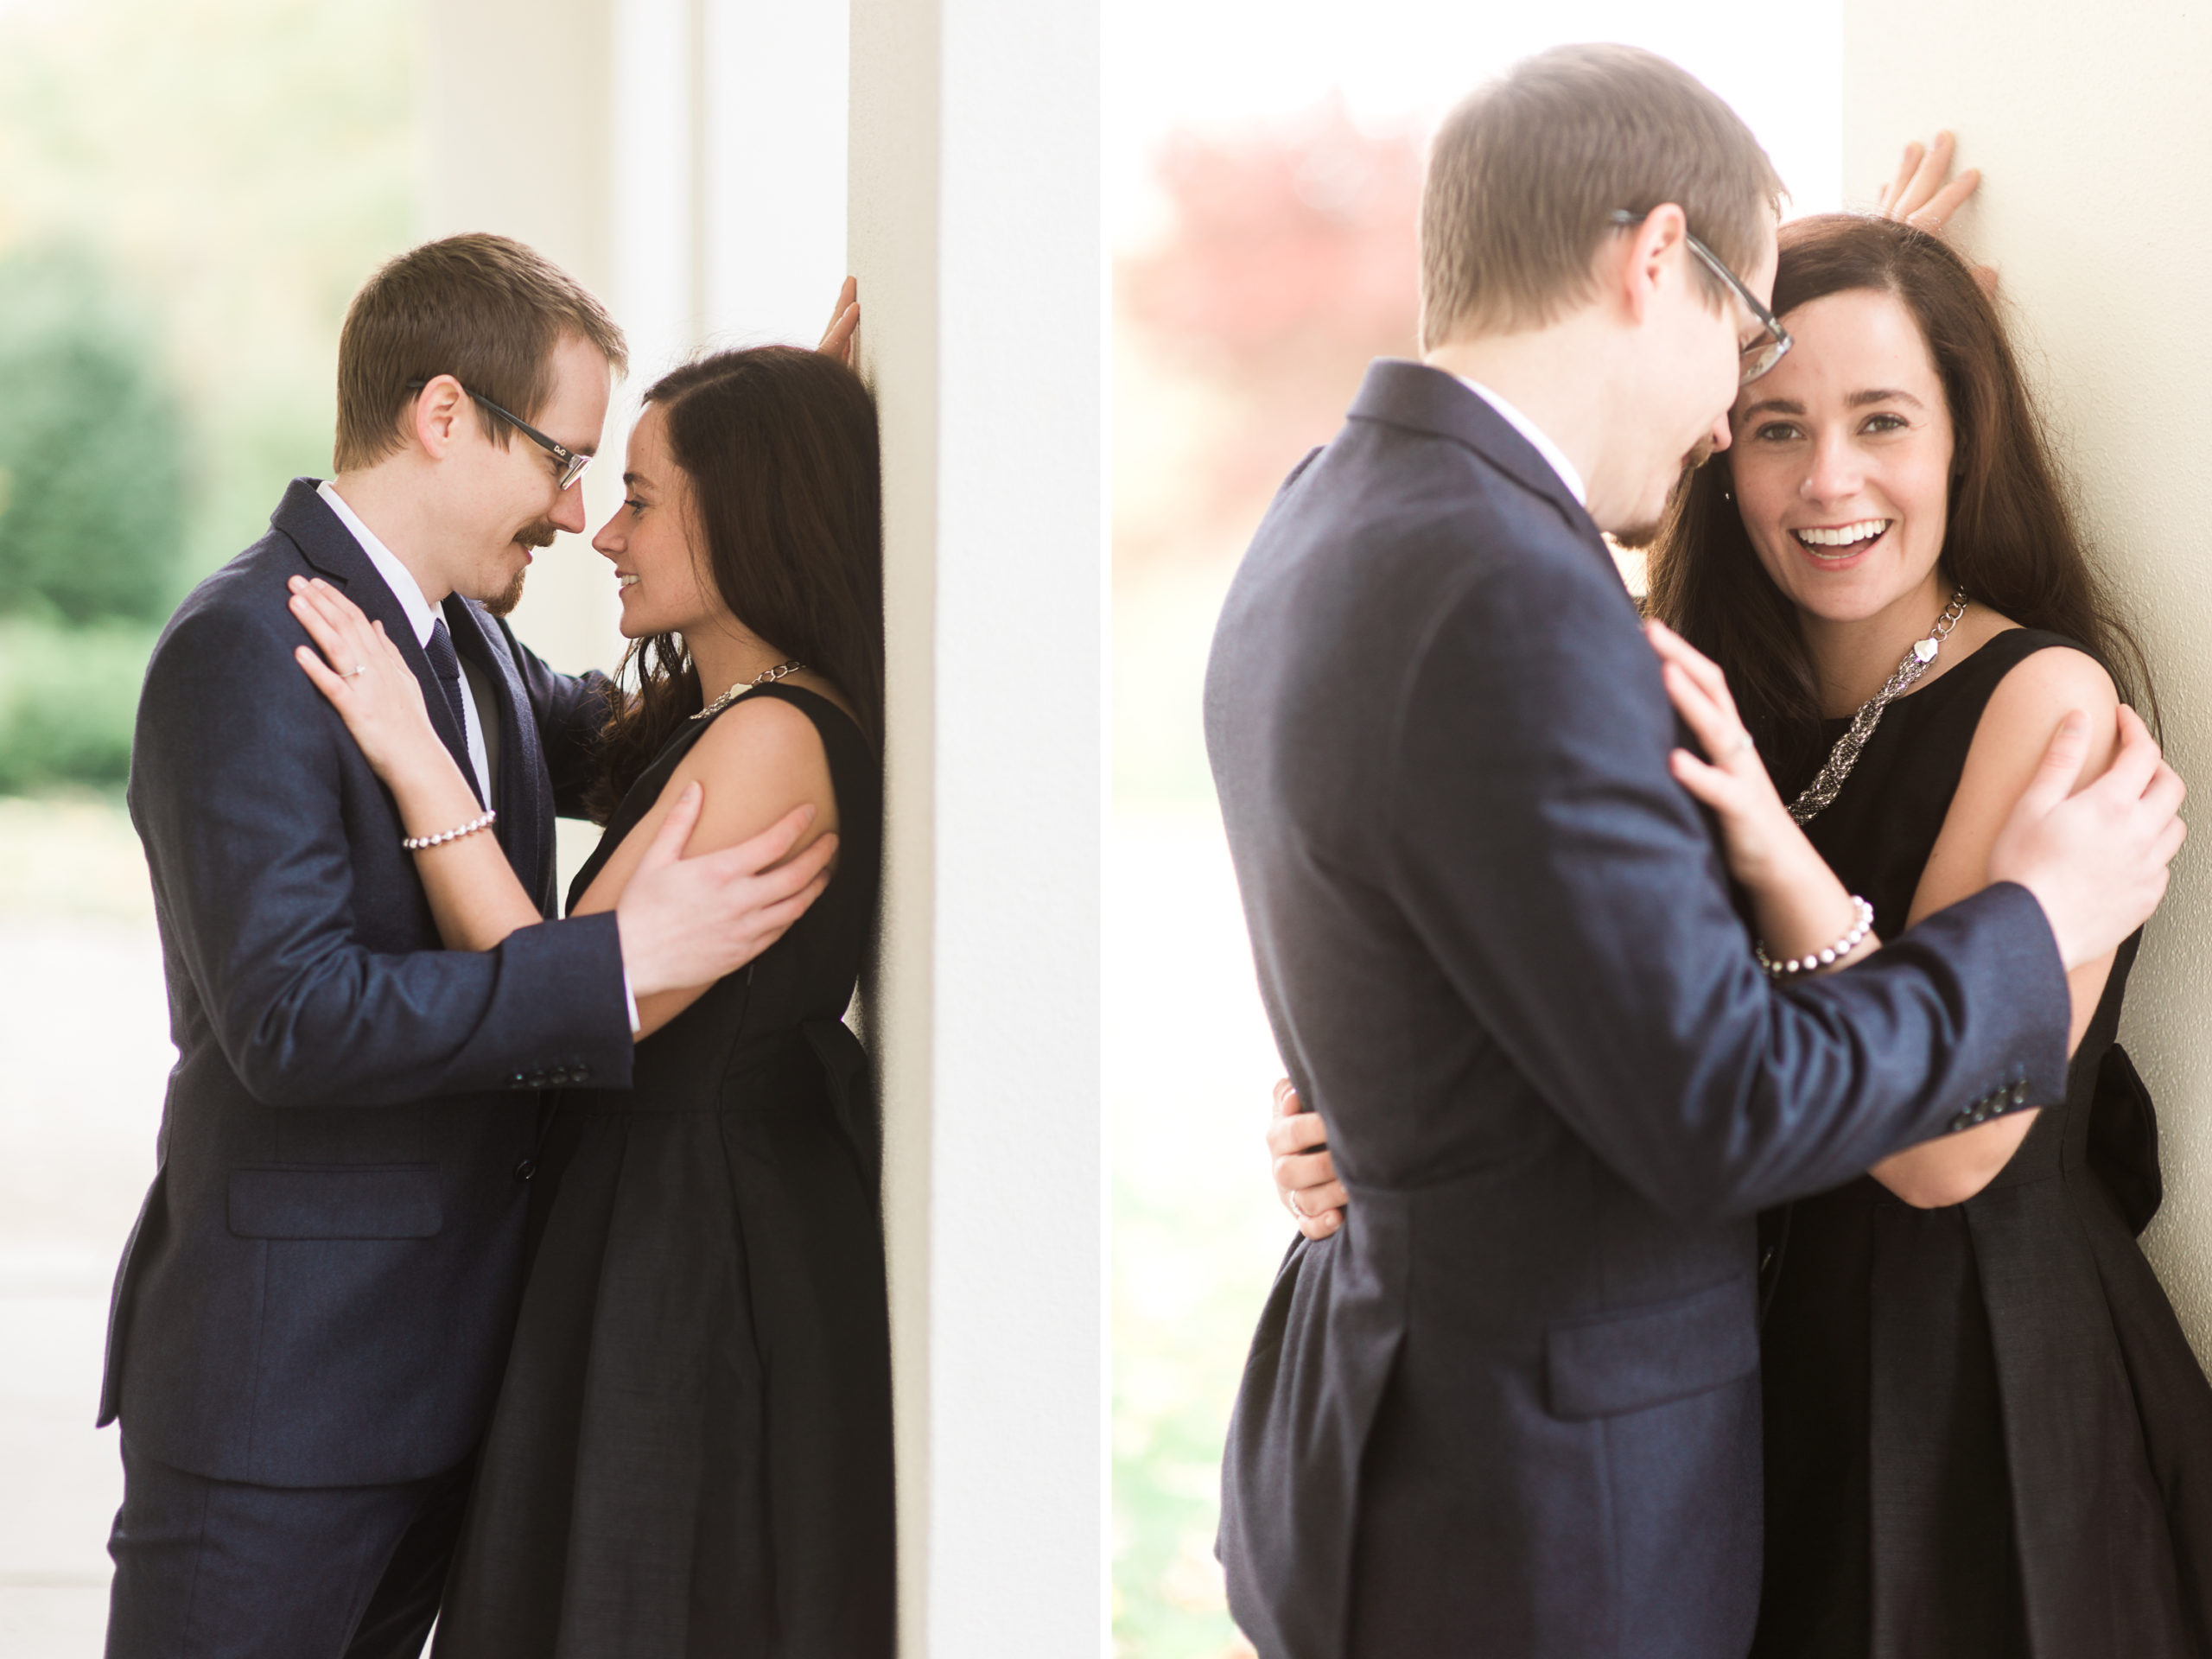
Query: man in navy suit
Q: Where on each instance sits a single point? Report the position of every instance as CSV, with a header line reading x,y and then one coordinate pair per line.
x,y
1510,1407
312,1310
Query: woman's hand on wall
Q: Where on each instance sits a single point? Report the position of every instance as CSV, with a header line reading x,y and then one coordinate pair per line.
x,y
845,325
1925,196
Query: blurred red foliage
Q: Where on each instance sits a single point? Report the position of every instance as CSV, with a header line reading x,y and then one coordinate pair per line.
x,y
1287,262
1294,241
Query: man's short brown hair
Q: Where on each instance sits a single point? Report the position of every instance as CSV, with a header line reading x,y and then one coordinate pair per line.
x,y
1524,175
483,309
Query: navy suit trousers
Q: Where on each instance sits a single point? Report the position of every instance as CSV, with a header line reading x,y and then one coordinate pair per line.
x,y
218,1568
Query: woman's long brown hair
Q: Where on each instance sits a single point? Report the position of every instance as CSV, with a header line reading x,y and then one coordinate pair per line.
x,y
2011,540
780,448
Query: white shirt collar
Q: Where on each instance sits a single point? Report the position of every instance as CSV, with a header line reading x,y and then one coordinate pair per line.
x,y
1527,428
397,576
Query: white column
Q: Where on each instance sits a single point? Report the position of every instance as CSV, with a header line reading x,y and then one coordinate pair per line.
x,y
773,139
2088,122
973,230
656,179
686,159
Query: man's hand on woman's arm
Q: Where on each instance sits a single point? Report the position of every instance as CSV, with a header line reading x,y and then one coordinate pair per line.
x,y
686,922
2096,859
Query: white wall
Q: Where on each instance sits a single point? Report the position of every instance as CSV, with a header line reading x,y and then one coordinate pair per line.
x,y
975,232
2087,123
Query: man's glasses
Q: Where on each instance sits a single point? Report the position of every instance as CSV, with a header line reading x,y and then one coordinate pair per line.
x,y
568,465
1761,353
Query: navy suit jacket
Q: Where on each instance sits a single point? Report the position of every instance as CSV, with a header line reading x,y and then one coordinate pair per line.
x,y
1512,1407
322,1280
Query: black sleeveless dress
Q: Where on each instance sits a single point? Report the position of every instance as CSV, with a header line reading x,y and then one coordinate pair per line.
x,y
1985,1432
691,1453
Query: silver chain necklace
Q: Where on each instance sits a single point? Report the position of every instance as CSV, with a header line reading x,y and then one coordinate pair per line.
x,y
1826,782
766,677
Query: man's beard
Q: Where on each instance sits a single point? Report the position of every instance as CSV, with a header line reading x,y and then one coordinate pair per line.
x,y
540,534
1642,536
502,603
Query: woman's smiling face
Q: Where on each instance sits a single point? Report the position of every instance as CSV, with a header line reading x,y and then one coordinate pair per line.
x,y
1841,458
649,540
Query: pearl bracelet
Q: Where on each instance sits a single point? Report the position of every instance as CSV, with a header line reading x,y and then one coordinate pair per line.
x,y
1835,953
417,844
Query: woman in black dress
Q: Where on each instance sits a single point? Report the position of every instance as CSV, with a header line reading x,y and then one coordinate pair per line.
x,y
691,1451
1986,1432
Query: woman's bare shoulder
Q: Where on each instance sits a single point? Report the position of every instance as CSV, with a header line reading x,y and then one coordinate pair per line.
x,y
2024,711
757,761
758,731
2043,687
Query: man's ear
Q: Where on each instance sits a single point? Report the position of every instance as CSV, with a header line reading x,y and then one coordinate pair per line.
x,y
433,422
1652,246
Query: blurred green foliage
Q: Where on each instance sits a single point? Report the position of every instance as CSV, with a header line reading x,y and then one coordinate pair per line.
x,y
67,697
92,464
1187,1286
224,173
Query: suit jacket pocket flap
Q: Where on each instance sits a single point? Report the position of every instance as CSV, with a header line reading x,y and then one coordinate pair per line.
x,y
336,1201
1649,1356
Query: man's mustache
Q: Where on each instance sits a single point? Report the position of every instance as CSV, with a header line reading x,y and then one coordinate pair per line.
x,y
540,534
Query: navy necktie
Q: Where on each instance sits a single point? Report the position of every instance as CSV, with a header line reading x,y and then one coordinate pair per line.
x,y
447,666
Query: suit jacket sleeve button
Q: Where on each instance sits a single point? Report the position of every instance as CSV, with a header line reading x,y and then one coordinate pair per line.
x,y
525,1169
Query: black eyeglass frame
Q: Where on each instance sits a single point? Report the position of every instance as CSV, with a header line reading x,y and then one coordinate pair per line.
x,y
572,462
1777,342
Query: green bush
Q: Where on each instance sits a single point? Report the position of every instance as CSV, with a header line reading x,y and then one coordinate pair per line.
x,y
91,449
68,698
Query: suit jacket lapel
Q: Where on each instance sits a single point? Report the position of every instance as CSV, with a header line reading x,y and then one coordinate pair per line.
x,y
329,547
525,807
1429,400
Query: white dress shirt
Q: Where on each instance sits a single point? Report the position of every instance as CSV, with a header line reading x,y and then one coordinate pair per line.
x,y
421,617
1527,428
